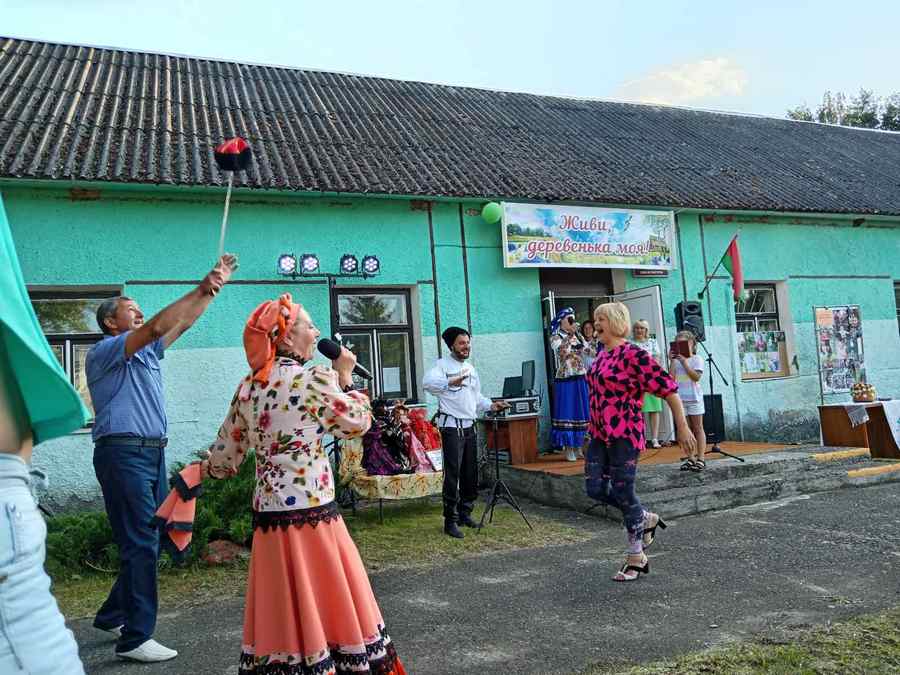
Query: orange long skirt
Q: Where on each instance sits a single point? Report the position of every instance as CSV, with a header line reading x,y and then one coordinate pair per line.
x,y
310,607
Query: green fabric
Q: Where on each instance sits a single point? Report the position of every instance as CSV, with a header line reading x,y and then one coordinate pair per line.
x,y
651,404
726,263
52,406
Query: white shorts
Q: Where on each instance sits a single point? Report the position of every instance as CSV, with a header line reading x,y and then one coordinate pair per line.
x,y
693,408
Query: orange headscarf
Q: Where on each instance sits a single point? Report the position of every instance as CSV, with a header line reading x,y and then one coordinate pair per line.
x,y
267,326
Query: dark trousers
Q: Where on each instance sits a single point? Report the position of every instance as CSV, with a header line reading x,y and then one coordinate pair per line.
x,y
460,471
609,472
133,480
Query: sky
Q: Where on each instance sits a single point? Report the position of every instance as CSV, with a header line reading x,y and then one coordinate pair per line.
x,y
757,57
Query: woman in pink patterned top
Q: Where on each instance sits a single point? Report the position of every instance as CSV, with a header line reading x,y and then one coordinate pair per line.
x,y
617,381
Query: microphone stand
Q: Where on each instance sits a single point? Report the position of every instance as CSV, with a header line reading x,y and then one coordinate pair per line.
x,y
500,491
712,365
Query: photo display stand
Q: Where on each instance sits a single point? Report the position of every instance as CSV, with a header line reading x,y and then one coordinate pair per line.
x,y
839,348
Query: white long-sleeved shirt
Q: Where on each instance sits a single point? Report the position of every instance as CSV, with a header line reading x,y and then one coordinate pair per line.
x,y
460,404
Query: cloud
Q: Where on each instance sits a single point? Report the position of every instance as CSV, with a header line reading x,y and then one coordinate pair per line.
x,y
686,83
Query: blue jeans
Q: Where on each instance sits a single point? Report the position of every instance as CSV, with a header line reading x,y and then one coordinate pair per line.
x,y
33,634
133,480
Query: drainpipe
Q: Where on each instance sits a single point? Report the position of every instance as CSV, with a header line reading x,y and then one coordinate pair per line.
x,y
434,281
465,262
681,260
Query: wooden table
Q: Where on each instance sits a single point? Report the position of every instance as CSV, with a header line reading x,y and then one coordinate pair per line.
x,y
516,434
874,434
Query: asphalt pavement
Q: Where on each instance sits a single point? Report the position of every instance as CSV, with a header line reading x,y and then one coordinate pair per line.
x,y
765,569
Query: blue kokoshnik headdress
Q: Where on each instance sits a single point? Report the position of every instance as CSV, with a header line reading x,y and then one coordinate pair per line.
x,y
560,315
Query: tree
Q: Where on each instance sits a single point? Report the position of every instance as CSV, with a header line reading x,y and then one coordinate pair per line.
x,y
865,110
364,309
801,113
833,109
890,113
66,316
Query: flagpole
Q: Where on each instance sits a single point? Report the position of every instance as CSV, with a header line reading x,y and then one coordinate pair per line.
x,y
718,265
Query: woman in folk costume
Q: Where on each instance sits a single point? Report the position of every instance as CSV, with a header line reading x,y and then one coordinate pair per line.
x,y
570,392
309,606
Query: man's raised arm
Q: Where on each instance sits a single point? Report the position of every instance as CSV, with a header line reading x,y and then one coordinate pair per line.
x,y
175,319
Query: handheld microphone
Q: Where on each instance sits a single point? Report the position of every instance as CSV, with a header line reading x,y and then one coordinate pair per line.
x,y
332,350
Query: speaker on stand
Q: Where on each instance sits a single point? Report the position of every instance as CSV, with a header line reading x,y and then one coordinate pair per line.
x,y
689,316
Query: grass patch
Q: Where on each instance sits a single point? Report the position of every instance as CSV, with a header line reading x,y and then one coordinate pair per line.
x,y
411,536
864,645
80,596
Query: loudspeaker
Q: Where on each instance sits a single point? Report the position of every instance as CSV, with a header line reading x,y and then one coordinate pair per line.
x,y
689,316
713,418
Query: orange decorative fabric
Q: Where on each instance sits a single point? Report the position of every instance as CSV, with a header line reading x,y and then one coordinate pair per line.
x,y
176,515
266,327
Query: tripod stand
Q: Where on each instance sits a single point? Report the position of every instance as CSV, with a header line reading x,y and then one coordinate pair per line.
x,y
712,364
499,491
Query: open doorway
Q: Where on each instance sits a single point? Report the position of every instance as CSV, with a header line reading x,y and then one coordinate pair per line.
x,y
583,293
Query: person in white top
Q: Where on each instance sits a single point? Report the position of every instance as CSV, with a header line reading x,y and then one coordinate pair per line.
x,y
687,371
457,387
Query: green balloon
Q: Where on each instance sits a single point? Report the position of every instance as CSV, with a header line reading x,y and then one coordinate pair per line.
x,y
492,212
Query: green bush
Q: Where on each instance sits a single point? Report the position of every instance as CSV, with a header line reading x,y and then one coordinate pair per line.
x,y
82,543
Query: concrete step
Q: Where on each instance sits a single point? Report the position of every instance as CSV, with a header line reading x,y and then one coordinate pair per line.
x,y
724,484
727,494
668,476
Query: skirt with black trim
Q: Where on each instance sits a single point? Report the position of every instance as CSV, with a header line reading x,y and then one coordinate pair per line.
x,y
310,609
571,411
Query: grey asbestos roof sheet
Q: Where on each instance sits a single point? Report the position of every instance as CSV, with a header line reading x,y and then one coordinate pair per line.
x,y
94,114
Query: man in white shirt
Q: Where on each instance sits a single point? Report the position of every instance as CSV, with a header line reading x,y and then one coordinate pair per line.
x,y
457,387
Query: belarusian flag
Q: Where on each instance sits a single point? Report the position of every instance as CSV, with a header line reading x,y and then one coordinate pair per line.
x,y
731,261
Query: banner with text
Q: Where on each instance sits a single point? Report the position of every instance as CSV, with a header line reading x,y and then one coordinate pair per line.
x,y
537,235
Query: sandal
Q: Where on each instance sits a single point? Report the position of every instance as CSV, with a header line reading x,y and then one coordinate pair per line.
x,y
698,465
630,572
687,465
655,444
650,532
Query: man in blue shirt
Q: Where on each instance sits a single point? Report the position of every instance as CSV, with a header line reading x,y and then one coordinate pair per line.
x,y
125,381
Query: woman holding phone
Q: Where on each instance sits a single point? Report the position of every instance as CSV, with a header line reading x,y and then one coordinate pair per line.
x,y
687,368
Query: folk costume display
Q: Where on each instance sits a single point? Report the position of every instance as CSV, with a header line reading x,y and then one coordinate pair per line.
x,y
569,421
309,605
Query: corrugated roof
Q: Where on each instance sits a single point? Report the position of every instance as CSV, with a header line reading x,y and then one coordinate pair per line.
x,y
97,114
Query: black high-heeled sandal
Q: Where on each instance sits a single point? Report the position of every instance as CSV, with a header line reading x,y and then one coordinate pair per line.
x,y
624,574
650,533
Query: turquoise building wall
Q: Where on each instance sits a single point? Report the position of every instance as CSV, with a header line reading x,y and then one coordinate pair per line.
x,y
820,261
154,242
149,241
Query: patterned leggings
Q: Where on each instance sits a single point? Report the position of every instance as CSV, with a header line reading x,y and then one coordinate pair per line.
x,y
609,472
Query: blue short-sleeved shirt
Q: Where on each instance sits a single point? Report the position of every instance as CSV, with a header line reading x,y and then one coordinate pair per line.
x,y
127,393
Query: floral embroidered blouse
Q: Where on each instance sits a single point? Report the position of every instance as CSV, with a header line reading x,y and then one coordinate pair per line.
x,y
617,382
569,348
650,345
283,423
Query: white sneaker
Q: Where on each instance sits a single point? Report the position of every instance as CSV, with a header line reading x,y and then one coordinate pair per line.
x,y
570,455
149,652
